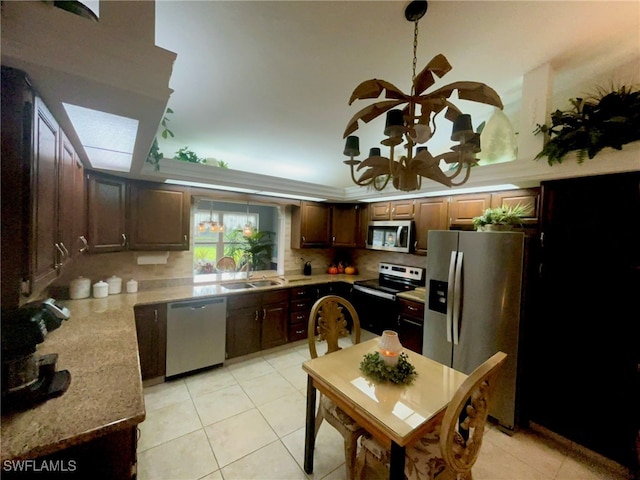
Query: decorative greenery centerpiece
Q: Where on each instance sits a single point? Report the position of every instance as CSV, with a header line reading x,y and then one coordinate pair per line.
x,y
373,366
609,119
504,215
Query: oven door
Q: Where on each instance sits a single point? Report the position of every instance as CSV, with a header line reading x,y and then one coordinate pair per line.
x,y
375,312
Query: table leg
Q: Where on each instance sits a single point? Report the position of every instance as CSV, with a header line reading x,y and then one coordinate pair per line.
x,y
396,467
310,430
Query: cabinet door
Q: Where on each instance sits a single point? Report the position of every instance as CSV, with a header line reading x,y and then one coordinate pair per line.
x,y
106,216
525,197
151,328
380,211
363,224
17,126
243,324
159,217
463,208
431,214
68,201
274,324
311,225
344,225
46,254
79,244
410,324
402,210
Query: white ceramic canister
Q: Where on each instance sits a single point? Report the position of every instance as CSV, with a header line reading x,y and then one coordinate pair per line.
x,y
79,288
115,285
132,286
100,289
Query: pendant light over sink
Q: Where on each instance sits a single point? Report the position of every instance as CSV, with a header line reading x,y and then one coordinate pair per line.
x,y
415,124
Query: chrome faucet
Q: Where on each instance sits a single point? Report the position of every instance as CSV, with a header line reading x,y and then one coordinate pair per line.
x,y
247,257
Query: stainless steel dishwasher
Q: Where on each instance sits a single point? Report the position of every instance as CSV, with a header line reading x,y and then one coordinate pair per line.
x,y
196,331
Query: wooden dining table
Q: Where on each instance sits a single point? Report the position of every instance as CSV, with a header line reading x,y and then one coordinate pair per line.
x,y
396,415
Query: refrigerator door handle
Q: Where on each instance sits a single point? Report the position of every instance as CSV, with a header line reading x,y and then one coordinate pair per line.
x,y
450,294
457,298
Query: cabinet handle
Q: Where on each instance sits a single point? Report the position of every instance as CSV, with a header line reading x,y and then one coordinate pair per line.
x,y
85,244
155,315
57,264
333,239
264,313
257,315
299,331
124,240
185,239
303,240
410,307
66,252
301,293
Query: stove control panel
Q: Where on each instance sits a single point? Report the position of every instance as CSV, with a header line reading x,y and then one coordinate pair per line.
x,y
405,272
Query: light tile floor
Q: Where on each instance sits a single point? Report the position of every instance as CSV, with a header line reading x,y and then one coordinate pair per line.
x,y
245,420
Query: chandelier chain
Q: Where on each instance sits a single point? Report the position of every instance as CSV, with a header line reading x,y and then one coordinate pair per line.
x,y
415,57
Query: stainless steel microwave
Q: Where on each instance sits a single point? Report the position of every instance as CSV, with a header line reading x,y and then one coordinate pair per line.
x,y
391,236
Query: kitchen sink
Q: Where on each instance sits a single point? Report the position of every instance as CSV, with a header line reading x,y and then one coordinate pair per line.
x,y
236,286
265,283
255,284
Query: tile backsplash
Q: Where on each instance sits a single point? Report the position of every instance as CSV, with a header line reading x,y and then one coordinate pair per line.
x,y
179,267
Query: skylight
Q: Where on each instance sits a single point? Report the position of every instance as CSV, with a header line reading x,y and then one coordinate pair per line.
x,y
108,139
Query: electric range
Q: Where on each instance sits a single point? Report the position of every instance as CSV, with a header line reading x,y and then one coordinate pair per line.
x,y
375,299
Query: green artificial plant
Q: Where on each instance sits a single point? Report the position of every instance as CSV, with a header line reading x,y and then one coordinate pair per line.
x,y
608,119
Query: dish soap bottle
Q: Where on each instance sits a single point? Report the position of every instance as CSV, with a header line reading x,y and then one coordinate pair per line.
x,y
307,268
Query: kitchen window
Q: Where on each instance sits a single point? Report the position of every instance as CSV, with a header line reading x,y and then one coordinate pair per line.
x,y
246,233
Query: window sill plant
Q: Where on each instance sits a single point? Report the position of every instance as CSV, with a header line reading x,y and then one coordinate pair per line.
x,y
501,218
609,119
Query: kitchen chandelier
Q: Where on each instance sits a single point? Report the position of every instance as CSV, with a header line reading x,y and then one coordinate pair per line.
x,y
211,225
416,127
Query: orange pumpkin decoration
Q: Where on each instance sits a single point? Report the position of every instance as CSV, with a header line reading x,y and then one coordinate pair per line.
x,y
350,270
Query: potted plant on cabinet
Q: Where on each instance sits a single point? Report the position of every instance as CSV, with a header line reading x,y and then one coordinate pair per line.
x,y
501,218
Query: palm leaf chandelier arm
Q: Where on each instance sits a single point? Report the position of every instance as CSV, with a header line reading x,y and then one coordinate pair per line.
x,y
472,91
439,65
370,112
373,89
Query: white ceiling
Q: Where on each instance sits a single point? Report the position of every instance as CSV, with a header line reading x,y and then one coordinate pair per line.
x,y
264,86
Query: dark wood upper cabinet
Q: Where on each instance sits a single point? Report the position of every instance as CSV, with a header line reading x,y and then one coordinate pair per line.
x,y
45,255
431,213
344,225
311,225
72,201
529,197
158,217
393,210
106,214
463,208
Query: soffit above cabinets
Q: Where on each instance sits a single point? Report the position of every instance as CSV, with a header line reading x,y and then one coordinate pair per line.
x,y
112,66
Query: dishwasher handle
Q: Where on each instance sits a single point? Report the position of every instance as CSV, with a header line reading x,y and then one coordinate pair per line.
x,y
196,304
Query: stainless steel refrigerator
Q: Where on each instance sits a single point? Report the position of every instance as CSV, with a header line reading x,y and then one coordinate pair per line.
x,y
472,309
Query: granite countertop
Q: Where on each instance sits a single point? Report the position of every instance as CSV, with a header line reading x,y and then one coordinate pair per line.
x,y
98,345
417,295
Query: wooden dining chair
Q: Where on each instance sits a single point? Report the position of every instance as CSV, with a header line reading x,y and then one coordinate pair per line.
x,y
327,319
450,448
226,264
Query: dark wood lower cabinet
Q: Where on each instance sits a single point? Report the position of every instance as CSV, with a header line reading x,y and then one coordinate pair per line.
x,y
256,321
104,458
151,328
410,324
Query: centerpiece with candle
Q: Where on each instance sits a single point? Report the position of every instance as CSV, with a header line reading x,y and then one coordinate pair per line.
x,y
389,363
390,347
